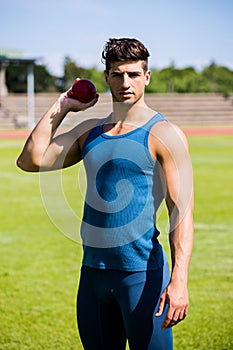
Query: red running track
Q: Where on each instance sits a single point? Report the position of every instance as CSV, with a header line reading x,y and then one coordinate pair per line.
x,y
23,134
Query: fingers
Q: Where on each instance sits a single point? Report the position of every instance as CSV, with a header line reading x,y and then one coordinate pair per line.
x,y
91,103
174,316
161,304
177,310
76,105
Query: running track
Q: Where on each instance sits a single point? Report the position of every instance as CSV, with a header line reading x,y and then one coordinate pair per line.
x,y
23,134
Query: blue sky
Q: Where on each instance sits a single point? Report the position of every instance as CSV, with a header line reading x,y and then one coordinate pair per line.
x,y
185,32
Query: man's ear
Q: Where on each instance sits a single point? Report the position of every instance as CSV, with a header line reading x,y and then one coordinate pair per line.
x,y
147,77
106,77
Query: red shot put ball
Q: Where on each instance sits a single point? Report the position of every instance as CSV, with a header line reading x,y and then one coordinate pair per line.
x,y
83,90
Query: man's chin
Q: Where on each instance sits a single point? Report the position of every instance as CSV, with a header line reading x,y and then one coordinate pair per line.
x,y
124,103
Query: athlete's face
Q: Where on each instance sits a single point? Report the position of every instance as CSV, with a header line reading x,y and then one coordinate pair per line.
x,y
127,81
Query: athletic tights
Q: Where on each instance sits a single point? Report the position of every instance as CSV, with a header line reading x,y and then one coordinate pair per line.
x,y
116,306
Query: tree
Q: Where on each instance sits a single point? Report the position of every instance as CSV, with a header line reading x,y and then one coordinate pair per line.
x,y
71,72
187,80
98,79
210,74
212,79
16,78
220,78
44,81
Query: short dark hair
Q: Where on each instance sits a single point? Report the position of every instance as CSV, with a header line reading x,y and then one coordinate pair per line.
x,y
124,49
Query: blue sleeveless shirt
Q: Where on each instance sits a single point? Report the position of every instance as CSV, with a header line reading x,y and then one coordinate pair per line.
x,y
118,227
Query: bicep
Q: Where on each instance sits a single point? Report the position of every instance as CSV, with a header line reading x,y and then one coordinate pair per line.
x,y
173,155
65,149
62,152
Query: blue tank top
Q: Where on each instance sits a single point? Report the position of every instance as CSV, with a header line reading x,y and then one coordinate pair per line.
x,y
118,227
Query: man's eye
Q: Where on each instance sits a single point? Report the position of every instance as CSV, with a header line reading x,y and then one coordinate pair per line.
x,y
116,74
134,74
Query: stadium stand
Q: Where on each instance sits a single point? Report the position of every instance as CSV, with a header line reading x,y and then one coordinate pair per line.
x,y
182,109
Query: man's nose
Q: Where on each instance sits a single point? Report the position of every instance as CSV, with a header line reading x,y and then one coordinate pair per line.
x,y
125,83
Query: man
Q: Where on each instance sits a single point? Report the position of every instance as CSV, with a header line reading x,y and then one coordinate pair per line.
x,y
133,158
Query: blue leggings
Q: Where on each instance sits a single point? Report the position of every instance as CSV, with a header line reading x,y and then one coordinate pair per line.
x,y
116,306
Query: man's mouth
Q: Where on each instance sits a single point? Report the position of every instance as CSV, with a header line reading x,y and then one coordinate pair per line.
x,y
126,93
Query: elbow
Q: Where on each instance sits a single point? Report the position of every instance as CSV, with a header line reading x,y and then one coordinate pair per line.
x,y
26,165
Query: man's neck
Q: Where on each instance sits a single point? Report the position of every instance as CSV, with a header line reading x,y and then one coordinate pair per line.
x,y
123,112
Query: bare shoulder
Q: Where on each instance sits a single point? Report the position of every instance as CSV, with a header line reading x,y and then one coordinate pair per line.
x,y
80,132
168,132
166,137
176,129
86,126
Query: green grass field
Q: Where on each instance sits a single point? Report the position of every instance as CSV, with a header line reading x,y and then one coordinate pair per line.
x,y
39,267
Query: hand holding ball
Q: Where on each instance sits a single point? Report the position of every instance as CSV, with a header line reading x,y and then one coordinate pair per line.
x,y
83,90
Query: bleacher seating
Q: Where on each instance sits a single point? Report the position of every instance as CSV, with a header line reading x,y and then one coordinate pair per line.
x,y
183,109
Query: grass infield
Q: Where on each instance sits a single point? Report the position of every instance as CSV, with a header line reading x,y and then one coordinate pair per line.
x,y
39,267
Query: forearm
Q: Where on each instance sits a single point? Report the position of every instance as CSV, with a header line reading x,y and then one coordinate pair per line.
x,y
181,244
176,292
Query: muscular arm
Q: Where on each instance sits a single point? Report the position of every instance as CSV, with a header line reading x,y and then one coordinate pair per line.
x,y
43,151
172,153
